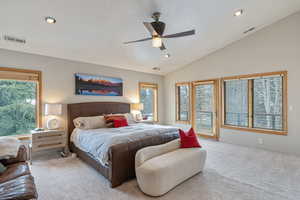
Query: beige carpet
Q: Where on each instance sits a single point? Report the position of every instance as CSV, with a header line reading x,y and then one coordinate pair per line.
x,y
231,173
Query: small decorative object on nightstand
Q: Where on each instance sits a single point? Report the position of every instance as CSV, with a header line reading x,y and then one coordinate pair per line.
x,y
48,139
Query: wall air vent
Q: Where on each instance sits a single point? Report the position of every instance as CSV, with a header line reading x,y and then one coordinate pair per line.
x,y
14,39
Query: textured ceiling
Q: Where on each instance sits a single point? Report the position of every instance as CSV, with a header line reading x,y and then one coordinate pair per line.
x,y
94,31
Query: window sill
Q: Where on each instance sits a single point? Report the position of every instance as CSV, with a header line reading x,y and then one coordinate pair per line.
x,y
22,137
182,122
255,130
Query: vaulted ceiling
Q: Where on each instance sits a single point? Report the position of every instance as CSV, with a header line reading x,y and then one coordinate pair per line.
x,y
93,31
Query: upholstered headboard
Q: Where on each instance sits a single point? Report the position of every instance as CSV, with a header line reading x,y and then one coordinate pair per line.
x,y
94,109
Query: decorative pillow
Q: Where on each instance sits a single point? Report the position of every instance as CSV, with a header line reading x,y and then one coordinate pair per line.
x,y
9,147
188,139
130,118
90,122
120,123
2,168
109,119
139,117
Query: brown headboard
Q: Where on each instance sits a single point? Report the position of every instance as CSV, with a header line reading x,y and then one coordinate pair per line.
x,y
94,109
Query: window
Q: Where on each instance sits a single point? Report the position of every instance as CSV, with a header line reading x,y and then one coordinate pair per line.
x,y
204,107
20,92
182,102
149,98
267,103
236,107
256,102
205,98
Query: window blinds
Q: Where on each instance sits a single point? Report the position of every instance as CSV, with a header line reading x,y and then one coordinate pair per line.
x,y
22,75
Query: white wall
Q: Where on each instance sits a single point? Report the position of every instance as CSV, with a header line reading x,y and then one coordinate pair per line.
x,y
59,82
273,48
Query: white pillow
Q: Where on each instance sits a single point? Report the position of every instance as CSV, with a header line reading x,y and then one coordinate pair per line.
x,y
130,118
9,147
90,122
139,117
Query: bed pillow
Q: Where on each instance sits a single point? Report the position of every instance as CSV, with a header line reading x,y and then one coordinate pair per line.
x,y
2,168
109,119
130,118
90,122
188,139
120,123
139,117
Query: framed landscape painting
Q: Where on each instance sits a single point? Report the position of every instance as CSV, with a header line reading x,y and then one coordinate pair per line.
x,y
96,85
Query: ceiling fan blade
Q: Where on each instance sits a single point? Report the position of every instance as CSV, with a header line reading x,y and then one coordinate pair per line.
x,y
150,28
163,47
182,34
141,40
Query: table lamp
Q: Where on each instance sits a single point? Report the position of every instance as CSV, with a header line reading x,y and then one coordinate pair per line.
x,y
53,110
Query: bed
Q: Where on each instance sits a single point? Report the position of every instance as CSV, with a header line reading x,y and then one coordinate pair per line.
x,y
118,161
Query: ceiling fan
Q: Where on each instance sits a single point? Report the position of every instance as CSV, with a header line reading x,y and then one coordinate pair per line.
x,y
156,30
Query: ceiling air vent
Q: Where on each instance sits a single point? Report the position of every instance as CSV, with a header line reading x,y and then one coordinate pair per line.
x,y
156,68
249,30
14,39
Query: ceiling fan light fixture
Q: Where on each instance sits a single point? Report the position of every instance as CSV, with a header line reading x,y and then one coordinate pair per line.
x,y
156,42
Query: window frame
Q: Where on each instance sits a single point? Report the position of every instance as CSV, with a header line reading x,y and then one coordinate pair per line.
x,y
155,97
38,79
250,127
216,83
177,109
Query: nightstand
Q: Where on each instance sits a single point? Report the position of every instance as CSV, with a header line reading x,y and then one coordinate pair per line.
x,y
46,140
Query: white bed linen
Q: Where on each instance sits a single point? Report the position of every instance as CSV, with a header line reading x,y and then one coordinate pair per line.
x,y
98,141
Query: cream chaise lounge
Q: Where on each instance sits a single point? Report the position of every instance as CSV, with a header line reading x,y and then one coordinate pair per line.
x,y
160,168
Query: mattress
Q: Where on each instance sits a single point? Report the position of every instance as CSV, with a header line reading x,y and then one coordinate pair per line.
x,y
98,141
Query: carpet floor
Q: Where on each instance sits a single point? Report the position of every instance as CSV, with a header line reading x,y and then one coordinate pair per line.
x,y
231,173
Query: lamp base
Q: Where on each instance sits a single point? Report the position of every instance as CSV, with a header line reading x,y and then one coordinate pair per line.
x,y
53,124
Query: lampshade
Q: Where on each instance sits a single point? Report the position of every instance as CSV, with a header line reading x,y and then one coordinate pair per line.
x,y
137,106
53,109
156,42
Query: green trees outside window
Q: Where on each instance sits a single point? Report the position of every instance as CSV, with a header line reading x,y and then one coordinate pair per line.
x,y
17,107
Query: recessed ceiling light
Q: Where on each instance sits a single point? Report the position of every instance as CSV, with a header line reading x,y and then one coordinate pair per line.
x,y
238,12
50,20
167,55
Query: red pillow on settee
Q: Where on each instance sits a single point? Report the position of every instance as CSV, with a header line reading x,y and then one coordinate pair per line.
x,y
188,139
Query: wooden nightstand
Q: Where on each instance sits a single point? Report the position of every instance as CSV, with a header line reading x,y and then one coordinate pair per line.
x,y
46,140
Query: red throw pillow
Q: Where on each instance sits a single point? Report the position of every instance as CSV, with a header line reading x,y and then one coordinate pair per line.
x,y
189,139
109,119
120,123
